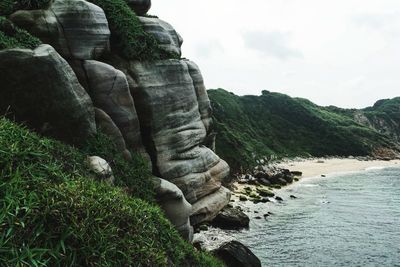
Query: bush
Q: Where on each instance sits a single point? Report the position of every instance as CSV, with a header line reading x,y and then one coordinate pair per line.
x,y
14,37
128,37
52,214
7,7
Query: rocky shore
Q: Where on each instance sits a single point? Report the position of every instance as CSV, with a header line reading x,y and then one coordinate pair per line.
x,y
262,185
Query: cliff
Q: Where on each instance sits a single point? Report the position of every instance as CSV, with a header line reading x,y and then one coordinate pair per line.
x,y
75,70
273,125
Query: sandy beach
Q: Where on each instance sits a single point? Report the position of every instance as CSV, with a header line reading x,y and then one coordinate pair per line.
x,y
317,167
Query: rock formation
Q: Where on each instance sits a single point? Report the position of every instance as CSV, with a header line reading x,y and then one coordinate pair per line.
x,y
169,40
40,88
159,108
139,6
77,29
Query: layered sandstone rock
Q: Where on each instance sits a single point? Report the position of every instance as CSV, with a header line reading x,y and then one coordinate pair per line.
x,y
40,88
169,40
77,29
109,90
174,132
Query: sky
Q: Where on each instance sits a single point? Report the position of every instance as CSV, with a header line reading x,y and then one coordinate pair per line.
x,y
344,53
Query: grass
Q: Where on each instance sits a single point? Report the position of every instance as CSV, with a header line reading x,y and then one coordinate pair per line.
x,y
14,37
273,125
53,214
128,37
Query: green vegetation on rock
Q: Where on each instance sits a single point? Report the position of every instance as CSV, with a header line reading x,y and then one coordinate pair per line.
x,y
128,37
53,214
14,37
7,7
274,124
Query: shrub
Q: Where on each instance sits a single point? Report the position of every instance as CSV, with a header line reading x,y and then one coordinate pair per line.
x,y
128,37
7,7
14,37
52,214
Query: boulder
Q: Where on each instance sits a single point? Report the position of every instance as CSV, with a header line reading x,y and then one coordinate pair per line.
x,y
207,208
235,254
169,40
139,6
231,218
265,192
106,125
175,206
109,90
40,88
77,29
100,168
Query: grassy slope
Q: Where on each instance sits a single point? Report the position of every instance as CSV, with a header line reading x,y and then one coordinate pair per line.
x,y
53,214
251,127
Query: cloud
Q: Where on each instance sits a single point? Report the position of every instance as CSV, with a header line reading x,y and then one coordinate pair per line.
x,y
380,21
209,48
274,44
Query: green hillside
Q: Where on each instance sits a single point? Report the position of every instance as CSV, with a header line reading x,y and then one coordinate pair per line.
x,y
276,125
52,213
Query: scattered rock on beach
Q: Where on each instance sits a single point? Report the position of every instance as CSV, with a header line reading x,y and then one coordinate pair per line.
x,y
235,254
231,218
278,198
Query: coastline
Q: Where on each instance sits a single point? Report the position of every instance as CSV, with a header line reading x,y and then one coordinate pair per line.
x,y
321,166
318,167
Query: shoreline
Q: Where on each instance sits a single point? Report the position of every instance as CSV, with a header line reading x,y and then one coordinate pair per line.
x,y
321,166
318,167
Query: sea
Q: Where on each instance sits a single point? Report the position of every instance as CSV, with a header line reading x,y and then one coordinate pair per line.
x,y
347,219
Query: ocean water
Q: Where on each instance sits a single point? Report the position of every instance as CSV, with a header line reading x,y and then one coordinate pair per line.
x,y
341,220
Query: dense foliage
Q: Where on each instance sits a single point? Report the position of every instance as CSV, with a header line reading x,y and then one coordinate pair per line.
x,y
128,37
273,124
53,214
14,37
7,7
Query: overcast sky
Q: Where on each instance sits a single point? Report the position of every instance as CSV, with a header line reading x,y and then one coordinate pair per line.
x,y
344,52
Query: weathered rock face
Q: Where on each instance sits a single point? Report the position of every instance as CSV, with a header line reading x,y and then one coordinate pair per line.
x,y
109,90
108,127
168,39
40,88
139,6
201,93
207,208
77,29
174,132
175,206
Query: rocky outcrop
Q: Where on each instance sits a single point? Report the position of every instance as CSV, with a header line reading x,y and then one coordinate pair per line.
x,y
106,125
174,132
202,96
235,254
169,40
39,87
109,90
207,208
77,29
139,6
175,206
